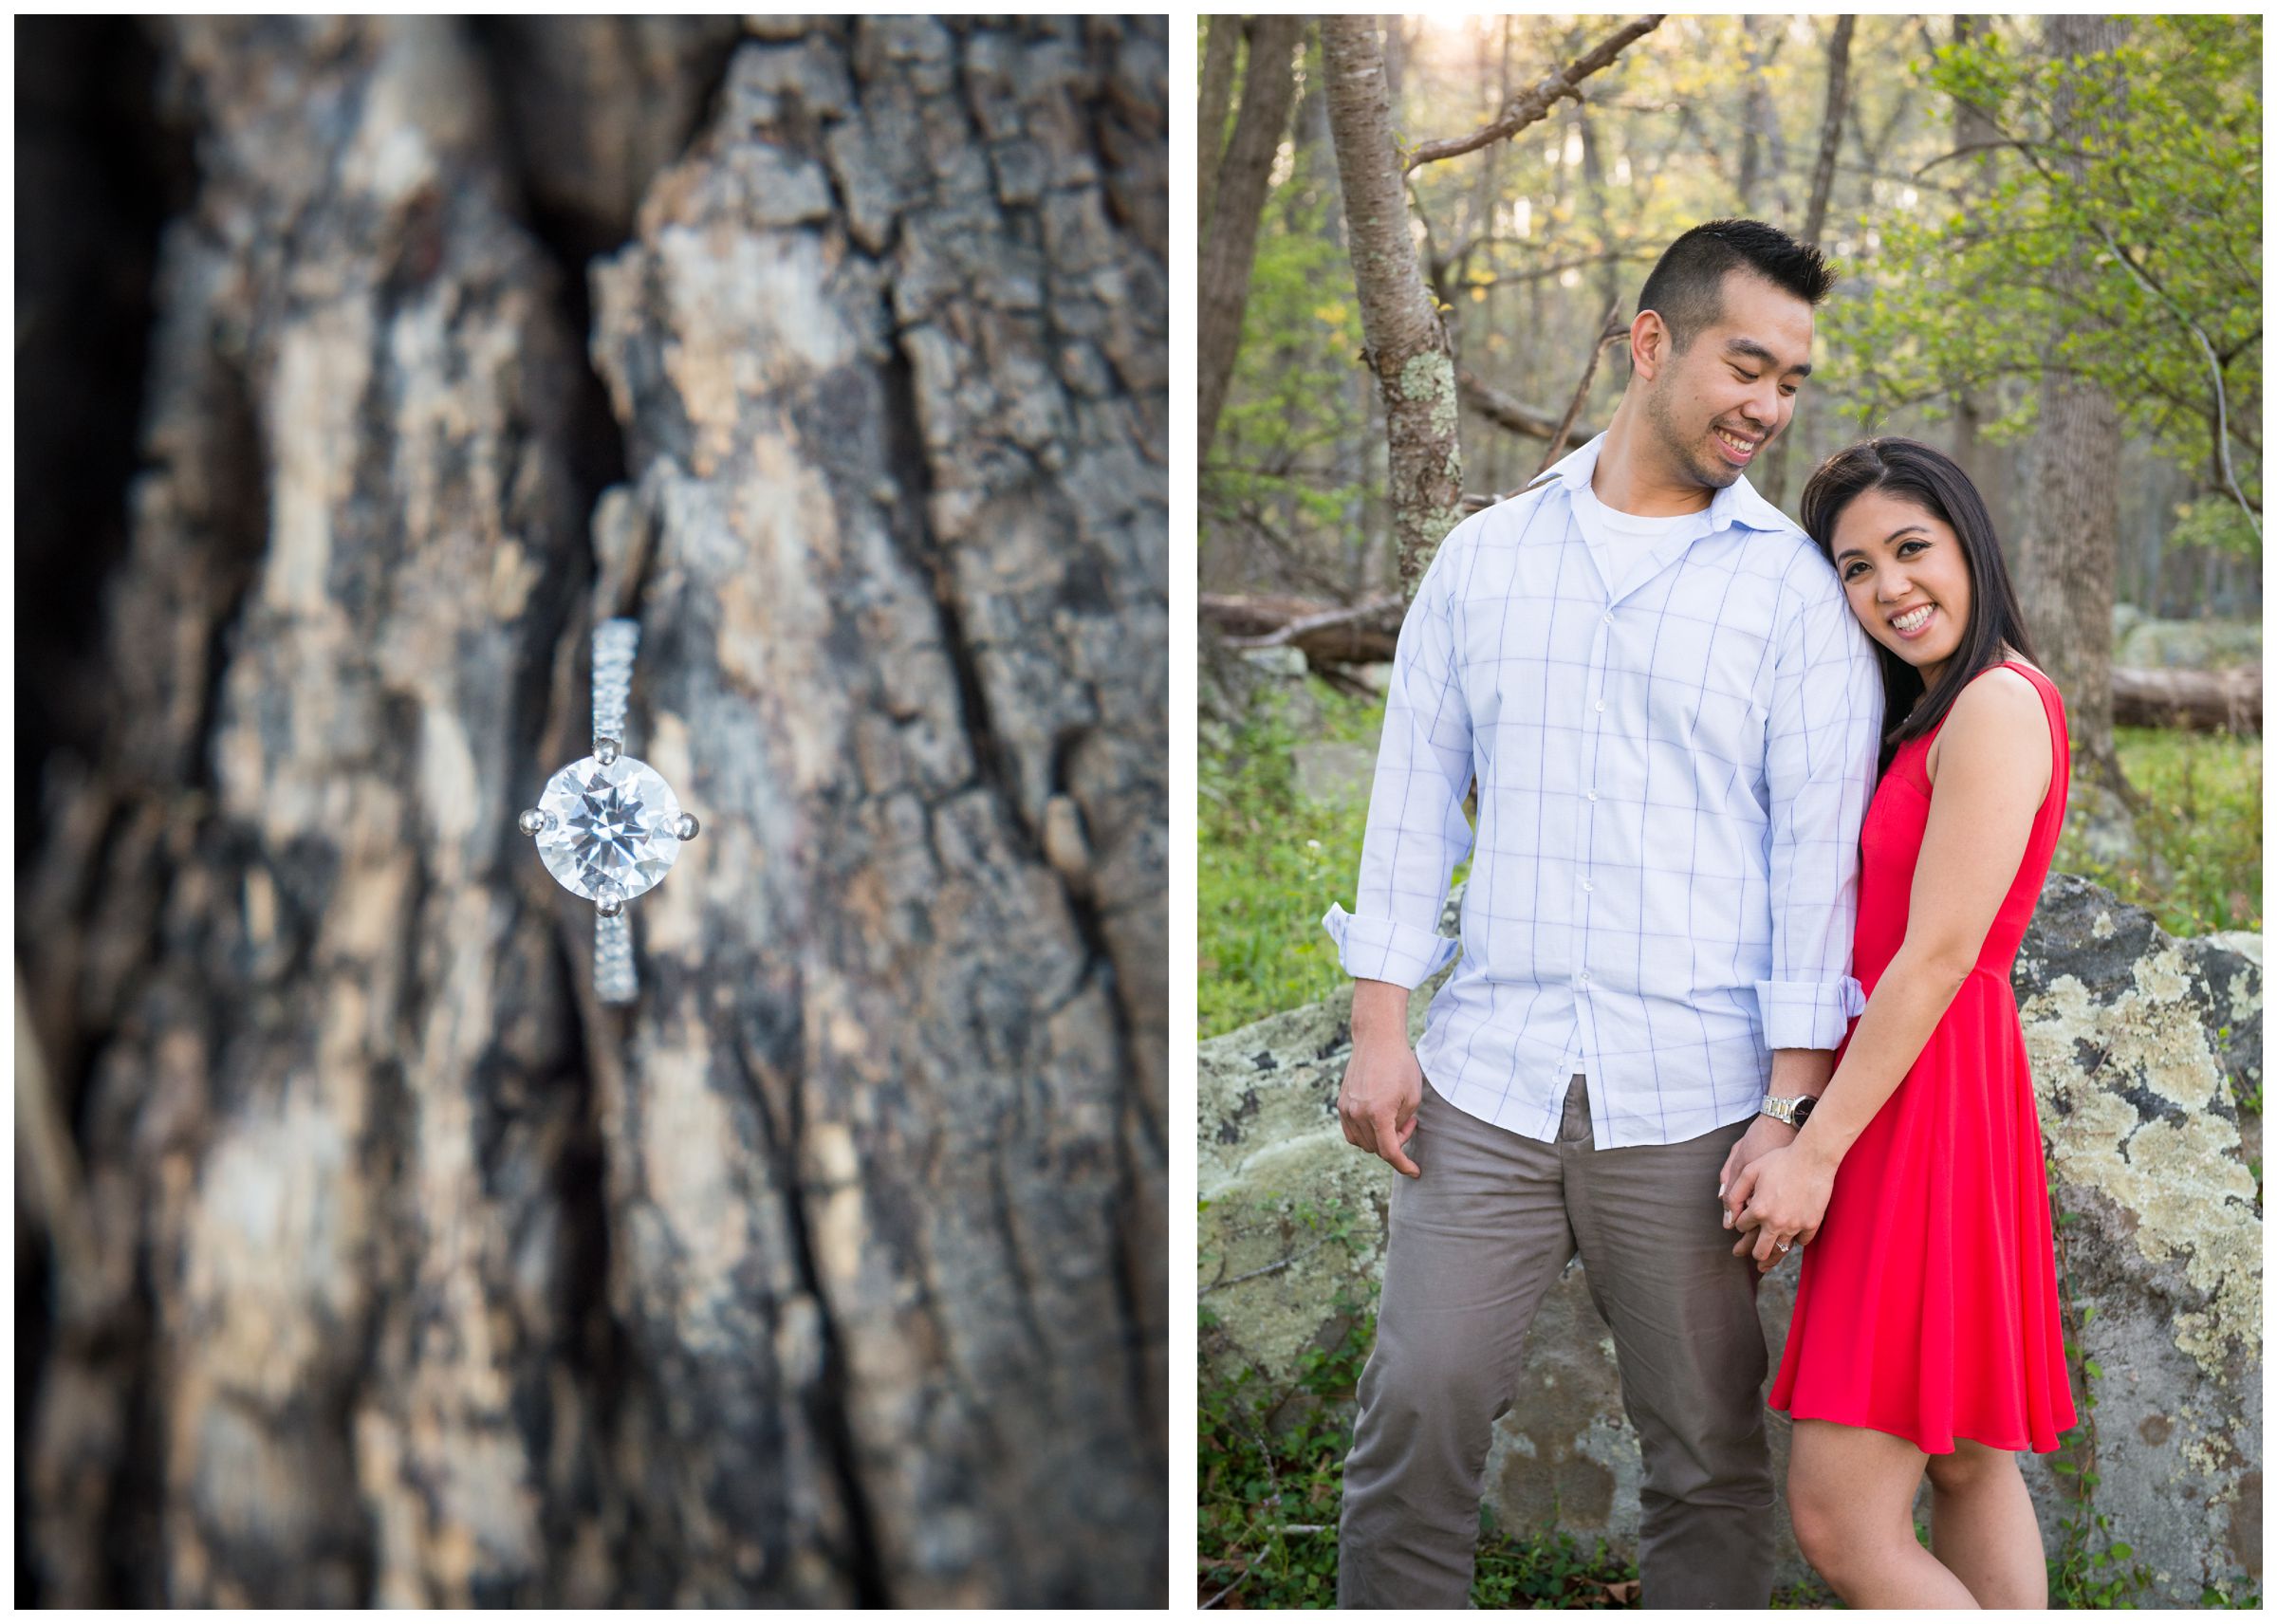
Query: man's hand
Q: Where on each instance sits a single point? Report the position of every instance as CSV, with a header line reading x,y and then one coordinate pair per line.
x,y
1384,1086
1783,1197
1764,1135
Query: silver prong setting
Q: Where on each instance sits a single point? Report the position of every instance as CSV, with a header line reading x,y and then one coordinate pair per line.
x,y
610,903
687,828
606,750
533,821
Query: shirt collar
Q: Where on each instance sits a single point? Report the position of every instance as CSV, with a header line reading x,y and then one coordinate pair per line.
x,y
1737,504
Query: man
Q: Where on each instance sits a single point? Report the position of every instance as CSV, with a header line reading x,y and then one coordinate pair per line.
x,y
1672,719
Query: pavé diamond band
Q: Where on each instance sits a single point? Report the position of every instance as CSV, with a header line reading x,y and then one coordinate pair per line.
x,y
609,827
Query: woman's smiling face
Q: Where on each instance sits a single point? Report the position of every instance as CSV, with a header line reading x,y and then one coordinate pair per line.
x,y
1907,579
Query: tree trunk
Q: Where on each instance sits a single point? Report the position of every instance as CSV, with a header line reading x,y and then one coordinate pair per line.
x,y
1222,289
2065,567
1814,214
1221,55
1407,346
390,1268
1973,127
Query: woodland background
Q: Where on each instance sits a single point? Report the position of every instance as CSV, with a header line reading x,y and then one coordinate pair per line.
x,y
1421,241
2049,235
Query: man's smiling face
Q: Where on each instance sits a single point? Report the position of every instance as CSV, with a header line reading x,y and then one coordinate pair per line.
x,y
1719,400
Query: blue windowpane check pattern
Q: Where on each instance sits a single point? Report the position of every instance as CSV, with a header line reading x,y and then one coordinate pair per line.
x,y
1672,768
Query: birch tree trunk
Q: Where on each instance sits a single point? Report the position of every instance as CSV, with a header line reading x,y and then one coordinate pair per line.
x,y
1407,345
390,1268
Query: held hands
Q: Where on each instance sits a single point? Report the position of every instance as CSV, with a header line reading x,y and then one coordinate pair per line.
x,y
1382,1091
1781,1195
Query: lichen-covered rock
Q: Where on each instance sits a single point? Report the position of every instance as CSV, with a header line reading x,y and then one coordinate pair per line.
x,y
2141,1046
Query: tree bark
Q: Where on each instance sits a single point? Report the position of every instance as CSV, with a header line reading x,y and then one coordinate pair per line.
x,y
833,1273
1407,346
2071,551
1973,129
1814,214
1221,55
1222,289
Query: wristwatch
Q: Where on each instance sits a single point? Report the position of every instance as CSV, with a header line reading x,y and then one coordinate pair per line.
x,y
1794,1112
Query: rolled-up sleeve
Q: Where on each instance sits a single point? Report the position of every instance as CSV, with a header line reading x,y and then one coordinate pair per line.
x,y
1822,742
1416,832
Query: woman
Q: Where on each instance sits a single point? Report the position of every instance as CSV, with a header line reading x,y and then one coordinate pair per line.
x,y
1926,1333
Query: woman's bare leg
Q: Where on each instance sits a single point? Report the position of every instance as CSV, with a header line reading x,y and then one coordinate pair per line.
x,y
1982,1526
1850,1491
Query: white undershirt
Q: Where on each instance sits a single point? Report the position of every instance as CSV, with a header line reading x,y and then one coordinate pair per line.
x,y
1618,539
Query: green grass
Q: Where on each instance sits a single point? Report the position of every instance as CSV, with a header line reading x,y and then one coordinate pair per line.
x,y
1271,1478
2202,818
1270,861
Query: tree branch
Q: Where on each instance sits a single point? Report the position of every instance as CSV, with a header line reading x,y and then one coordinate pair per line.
x,y
1608,333
1533,107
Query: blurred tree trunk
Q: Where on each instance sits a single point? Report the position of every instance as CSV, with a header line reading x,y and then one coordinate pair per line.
x,y
2070,547
389,1269
1973,128
1407,346
1814,214
1230,239
1763,146
1221,56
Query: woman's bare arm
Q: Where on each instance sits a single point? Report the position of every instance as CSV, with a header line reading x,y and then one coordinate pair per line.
x,y
1993,773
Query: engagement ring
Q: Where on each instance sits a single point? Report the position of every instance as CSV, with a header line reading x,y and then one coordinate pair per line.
x,y
609,827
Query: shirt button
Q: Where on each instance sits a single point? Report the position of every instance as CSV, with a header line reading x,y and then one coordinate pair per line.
x,y
1608,619
1587,886
1593,794
1584,978
1601,705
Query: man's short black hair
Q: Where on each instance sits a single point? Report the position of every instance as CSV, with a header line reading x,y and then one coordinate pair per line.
x,y
1686,286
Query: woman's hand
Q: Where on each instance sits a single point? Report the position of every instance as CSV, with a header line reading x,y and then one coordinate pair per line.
x,y
1782,1197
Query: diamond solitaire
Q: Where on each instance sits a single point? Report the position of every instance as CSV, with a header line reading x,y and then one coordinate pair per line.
x,y
609,827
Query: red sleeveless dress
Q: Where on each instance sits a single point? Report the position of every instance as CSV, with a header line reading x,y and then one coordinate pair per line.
x,y
1927,1303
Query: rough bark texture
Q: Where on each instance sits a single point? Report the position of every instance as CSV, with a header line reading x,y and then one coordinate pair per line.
x,y
2069,556
389,1267
1407,345
1229,244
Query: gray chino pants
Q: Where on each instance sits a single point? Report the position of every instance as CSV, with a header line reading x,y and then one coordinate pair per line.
x,y
1476,1241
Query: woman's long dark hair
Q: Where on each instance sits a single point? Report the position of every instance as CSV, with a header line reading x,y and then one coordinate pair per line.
x,y
1930,480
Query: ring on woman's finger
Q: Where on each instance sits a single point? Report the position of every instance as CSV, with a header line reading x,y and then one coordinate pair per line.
x,y
1784,1247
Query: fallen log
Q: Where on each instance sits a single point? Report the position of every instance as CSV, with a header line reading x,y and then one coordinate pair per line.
x,y
1362,634
2204,701
1330,634
1509,412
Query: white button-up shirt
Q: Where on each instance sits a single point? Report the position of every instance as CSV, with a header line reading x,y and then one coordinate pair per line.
x,y
1672,768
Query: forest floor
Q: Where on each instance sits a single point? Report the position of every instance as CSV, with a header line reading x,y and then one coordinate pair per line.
x,y
1272,859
